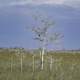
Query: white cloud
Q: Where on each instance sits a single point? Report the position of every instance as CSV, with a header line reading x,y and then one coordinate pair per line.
x,y
23,2
49,1
36,2
73,3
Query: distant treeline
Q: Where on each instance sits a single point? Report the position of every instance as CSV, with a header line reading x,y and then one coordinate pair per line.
x,y
16,49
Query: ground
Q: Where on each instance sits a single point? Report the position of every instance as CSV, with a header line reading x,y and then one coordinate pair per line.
x,y
65,66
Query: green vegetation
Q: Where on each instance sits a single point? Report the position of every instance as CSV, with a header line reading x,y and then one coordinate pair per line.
x,y
65,66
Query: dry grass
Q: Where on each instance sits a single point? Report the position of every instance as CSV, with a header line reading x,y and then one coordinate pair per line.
x,y
64,67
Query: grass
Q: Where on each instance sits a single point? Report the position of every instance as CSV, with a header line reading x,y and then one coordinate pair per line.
x,y
64,67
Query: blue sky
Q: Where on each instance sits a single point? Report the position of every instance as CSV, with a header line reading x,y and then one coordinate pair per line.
x,y
15,22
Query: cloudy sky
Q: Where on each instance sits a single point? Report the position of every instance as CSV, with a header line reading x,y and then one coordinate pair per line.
x,y
15,19
73,3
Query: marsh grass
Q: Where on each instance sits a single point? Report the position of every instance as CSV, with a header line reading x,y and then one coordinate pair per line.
x,y
64,67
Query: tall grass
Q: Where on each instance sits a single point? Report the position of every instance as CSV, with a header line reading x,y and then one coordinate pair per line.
x,y
63,67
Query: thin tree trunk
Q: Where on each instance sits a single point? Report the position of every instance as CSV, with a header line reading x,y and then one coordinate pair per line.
x,y
33,68
42,61
40,54
33,63
11,63
51,63
21,62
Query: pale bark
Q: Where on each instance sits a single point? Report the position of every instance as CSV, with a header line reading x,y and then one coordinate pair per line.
x,y
42,65
21,62
11,63
33,63
51,62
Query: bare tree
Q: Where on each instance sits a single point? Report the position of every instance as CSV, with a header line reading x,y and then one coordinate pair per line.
x,y
42,34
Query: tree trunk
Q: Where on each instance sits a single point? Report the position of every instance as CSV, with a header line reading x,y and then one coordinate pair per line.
x,y
42,59
21,62
33,63
51,62
11,63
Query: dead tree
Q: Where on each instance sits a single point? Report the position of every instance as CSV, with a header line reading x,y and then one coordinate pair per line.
x,y
42,34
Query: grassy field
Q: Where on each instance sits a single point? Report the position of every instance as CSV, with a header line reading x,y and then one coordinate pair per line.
x,y
65,66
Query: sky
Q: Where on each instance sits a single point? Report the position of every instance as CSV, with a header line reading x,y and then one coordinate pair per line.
x,y
16,20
